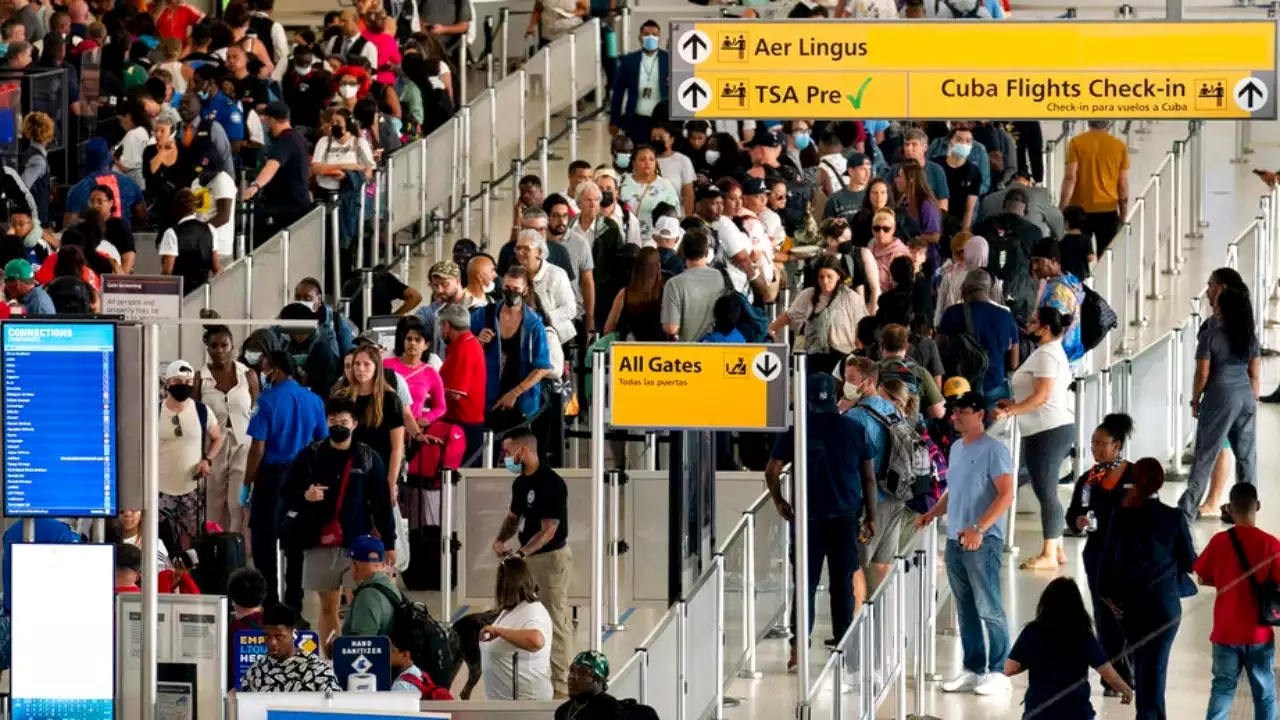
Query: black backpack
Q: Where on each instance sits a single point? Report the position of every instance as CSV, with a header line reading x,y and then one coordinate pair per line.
x,y
632,710
965,354
1009,263
752,322
435,659
1096,319
799,197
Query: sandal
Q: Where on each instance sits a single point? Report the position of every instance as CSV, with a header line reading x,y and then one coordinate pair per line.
x,y
1040,562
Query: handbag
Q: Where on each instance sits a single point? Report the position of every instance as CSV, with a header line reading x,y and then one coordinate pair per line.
x,y
331,533
1266,593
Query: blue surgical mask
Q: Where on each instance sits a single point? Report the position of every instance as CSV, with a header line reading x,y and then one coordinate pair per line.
x,y
960,151
649,43
801,139
203,95
512,466
622,160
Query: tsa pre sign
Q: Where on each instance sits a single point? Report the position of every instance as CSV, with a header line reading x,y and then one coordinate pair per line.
x,y
698,386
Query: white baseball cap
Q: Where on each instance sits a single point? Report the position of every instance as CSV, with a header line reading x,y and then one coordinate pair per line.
x,y
179,369
668,228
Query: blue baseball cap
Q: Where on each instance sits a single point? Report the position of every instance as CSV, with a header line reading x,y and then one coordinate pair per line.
x,y
367,548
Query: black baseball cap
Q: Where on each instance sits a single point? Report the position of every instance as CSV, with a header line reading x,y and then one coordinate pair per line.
x,y
968,401
277,110
754,186
822,393
763,138
708,192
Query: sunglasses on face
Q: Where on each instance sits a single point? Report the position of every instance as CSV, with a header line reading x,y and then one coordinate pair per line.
x,y
882,228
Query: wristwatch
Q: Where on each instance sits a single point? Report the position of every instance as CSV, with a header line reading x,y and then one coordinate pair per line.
x,y
976,528
519,554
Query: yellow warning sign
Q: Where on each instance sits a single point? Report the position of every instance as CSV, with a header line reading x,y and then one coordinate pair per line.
x,y
698,386
912,70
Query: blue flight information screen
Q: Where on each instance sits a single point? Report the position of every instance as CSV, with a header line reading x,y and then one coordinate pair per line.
x,y
59,450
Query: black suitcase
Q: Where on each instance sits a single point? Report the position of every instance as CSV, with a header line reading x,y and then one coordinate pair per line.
x,y
424,560
217,556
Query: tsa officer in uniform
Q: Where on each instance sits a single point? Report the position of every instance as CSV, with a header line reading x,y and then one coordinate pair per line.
x,y
539,516
289,417
216,106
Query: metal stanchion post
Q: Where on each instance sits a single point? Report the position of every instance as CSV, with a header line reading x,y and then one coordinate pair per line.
x,y
682,653
1173,258
462,65
1139,318
717,564
749,600
522,113
1082,424
1011,519
448,479
1154,290
493,137
546,96
286,291
366,297
918,676
573,96
486,209
504,21
650,451
248,285
1176,396
375,228
899,636
598,360
625,35
614,480
931,598
1201,171
148,642
439,240
359,230
465,114
543,160
335,255
454,154
800,503
487,442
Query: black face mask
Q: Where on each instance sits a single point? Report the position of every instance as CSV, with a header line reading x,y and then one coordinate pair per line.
x,y
606,199
180,393
338,131
339,433
513,297
659,145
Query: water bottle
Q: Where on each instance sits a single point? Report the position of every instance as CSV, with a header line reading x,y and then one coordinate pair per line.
x,y
1093,522
1085,493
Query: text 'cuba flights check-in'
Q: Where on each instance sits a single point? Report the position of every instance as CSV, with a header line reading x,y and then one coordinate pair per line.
x,y
925,70
698,386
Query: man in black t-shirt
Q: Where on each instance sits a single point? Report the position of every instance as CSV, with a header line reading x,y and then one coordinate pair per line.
x,y
539,516
282,181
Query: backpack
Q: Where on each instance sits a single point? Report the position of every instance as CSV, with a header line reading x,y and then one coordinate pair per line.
x,y
924,502
902,370
752,322
977,11
435,659
796,214
428,689
907,470
965,355
1007,261
1096,319
632,710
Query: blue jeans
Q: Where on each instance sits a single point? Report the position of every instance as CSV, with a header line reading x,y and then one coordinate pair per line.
x,y
1256,661
975,584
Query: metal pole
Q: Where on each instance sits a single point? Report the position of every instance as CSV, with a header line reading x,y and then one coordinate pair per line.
x,y
461,67
1139,297
466,171
1173,258
335,256
1176,394
504,20
487,461
439,241
448,479
749,600
625,40
931,596
366,297
599,68
1082,423
493,136
651,451
614,480
1155,249
546,94
543,151
898,636
454,155
919,675
424,219
486,210
375,228
717,563
248,285
800,503
682,652
598,359
286,292
1201,173
573,95
359,230
150,518
523,110
1015,449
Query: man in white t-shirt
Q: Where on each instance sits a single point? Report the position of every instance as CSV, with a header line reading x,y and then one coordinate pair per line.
x,y
189,437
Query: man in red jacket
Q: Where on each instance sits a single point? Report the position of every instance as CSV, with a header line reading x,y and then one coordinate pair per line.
x,y
463,374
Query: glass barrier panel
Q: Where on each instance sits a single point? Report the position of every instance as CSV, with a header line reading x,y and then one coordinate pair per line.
x,y
268,274
188,341
624,682
404,186
1149,376
735,650
513,118
771,567
648,539
482,128
307,247
440,170
1189,337
586,56
1091,415
663,673
702,675
226,292
560,91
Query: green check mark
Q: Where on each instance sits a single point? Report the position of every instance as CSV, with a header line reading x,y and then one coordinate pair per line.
x,y
856,99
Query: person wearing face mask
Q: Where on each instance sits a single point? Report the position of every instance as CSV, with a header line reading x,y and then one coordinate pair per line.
x,y
607,180
310,292
674,166
190,438
515,349
463,376
482,275
640,85
336,492
306,88
26,240
342,163
215,106
283,179
538,517
314,350
230,389
964,179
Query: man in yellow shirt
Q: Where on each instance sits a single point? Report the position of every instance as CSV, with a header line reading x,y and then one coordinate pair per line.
x,y
1097,179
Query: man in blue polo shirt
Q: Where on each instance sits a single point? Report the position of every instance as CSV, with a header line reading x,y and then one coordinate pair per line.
x,y
840,475
289,418
216,106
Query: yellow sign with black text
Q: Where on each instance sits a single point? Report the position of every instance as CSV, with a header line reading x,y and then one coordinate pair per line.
x,y
698,386
919,70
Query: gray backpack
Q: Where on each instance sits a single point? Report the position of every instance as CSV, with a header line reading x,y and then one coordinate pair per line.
x,y
907,470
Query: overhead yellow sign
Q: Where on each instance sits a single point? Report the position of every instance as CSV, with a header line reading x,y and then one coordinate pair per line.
x,y
922,70
698,386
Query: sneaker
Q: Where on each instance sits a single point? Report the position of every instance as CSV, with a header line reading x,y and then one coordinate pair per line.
x,y
964,682
994,684
831,643
792,664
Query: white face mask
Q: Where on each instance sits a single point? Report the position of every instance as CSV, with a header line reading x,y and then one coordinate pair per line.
x,y
302,69
348,91
713,156
489,288
851,392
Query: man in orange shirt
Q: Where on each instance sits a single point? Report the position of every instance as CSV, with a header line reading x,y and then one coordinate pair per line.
x,y
1097,179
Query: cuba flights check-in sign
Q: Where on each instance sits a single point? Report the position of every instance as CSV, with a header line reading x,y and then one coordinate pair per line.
x,y
1013,70
698,386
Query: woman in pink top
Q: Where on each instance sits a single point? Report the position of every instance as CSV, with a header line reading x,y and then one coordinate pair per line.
x,y
426,389
380,29
885,248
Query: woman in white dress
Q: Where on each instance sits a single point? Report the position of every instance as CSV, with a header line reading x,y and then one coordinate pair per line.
x,y
230,389
515,651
